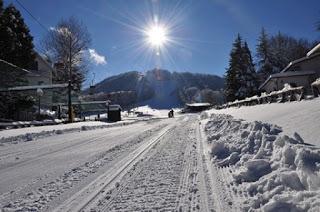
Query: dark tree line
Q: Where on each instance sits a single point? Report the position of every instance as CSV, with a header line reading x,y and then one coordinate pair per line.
x,y
273,54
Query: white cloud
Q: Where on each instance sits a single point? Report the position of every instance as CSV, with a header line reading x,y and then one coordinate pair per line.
x,y
96,58
52,28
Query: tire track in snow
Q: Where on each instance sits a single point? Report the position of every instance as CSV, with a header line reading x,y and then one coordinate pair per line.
x,y
168,178
39,198
221,196
92,192
46,154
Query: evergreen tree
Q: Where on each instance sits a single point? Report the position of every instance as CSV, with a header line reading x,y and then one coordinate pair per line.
x,y
16,48
1,7
240,76
233,72
264,55
248,78
280,48
16,42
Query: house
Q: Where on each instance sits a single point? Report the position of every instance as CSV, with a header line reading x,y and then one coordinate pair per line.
x,y
300,72
41,74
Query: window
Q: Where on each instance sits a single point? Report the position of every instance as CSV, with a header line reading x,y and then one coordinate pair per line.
x,y
292,84
36,66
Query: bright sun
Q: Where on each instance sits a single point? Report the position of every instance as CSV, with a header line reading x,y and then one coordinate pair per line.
x,y
157,36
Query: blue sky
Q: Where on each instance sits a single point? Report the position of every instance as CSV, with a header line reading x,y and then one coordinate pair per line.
x,y
201,32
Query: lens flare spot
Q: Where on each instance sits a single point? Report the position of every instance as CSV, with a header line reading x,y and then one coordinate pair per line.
x,y
156,36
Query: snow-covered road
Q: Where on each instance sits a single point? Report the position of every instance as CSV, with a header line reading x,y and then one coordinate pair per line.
x,y
189,163
148,165
40,174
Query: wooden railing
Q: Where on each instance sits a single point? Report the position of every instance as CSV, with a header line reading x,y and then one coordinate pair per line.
x,y
284,95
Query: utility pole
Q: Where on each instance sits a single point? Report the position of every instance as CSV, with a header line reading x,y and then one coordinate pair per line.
x,y
69,83
69,102
39,93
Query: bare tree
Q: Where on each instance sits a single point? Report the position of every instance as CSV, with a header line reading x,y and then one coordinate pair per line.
x,y
65,45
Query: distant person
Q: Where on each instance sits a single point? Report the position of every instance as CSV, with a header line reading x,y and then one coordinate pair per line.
x,y
171,114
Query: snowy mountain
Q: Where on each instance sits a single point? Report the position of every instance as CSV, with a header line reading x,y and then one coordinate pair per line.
x,y
157,88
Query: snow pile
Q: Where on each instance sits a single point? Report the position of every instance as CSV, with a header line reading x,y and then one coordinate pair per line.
x,y
286,87
302,117
280,173
47,112
315,83
15,136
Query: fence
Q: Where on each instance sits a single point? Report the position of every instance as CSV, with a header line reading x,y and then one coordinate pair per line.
x,y
288,93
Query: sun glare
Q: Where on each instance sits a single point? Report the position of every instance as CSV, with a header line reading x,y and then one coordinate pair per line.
x,y
156,36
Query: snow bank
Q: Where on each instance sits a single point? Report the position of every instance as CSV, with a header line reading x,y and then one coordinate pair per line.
x,y
302,117
15,136
280,173
316,83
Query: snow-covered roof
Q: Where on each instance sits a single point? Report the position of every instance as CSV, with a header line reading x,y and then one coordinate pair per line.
x,y
292,73
314,50
114,107
199,104
300,60
14,66
44,59
287,74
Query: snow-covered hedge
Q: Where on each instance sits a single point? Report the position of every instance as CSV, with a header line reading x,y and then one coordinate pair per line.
x,y
280,173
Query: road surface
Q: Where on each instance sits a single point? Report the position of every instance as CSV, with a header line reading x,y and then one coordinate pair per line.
x,y
150,165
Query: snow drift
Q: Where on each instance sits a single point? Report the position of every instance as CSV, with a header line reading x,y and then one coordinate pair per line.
x,y
280,173
302,117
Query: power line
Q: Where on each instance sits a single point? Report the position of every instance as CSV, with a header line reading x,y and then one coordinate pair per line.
x,y
34,18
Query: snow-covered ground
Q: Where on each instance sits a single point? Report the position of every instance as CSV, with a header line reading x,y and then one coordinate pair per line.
x,y
35,132
211,162
14,136
159,113
301,117
42,174
168,178
255,166
149,165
